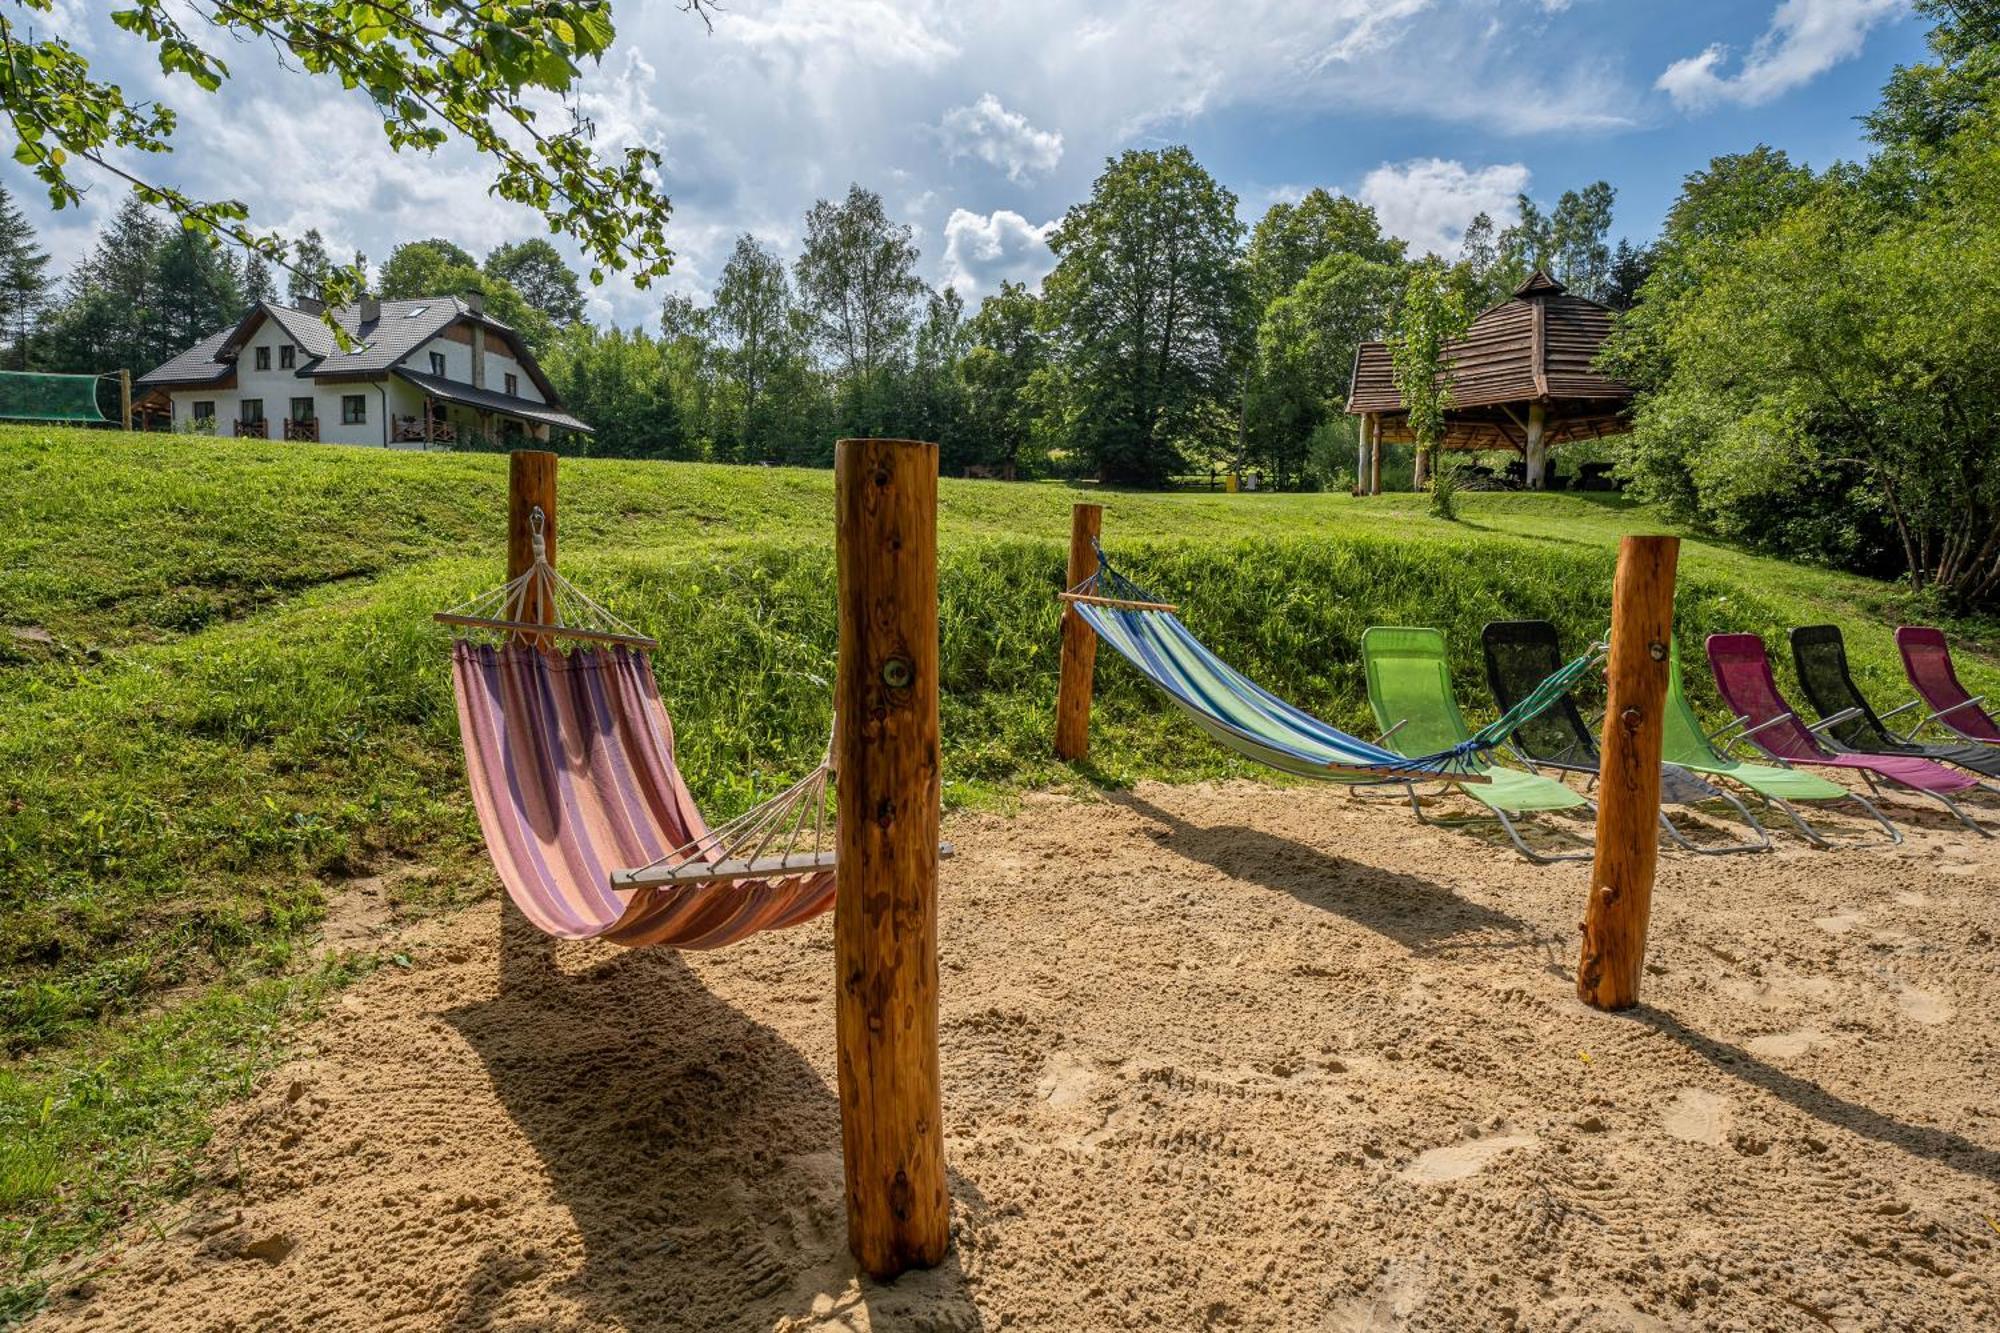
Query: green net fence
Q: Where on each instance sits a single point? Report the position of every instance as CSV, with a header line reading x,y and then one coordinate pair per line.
x,y
34,396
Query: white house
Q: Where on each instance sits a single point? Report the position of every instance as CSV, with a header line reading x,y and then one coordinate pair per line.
x,y
414,373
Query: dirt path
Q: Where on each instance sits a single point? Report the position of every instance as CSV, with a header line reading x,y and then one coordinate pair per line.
x,y
1222,1056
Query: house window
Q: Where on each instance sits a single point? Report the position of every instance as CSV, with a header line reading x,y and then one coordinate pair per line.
x,y
288,356
302,409
204,412
251,412
513,386
437,364
263,358
353,409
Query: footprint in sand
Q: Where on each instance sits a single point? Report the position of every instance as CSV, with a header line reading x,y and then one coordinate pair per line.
x,y
1066,1080
1456,1161
1913,900
1783,1045
1698,1117
1839,923
1922,1006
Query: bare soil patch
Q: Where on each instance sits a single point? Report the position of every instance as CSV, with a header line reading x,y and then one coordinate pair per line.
x,y
1223,1056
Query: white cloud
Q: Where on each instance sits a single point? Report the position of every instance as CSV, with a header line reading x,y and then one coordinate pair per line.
x,y
1805,40
1000,138
983,250
788,101
1428,201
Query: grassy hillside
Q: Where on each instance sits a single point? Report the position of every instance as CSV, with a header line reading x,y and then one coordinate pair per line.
x,y
221,698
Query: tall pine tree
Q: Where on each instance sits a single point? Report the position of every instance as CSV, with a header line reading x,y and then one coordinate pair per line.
x,y
109,299
24,284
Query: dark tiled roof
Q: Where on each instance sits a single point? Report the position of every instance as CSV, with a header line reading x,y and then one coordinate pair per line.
x,y
1539,345
402,327
488,400
197,365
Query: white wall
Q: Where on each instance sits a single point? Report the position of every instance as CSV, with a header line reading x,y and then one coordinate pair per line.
x,y
326,406
458,365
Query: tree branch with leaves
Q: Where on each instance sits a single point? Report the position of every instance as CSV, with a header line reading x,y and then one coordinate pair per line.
x,y
482,72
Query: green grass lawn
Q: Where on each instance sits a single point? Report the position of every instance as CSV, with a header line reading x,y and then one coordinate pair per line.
x,y
229,700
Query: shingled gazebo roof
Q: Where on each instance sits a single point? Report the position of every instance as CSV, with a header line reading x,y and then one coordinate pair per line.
x,y
1536,348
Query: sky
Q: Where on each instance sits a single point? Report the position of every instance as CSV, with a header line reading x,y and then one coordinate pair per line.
x,y
980,122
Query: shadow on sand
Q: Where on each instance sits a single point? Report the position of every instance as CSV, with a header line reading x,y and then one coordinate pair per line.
x,y
1941,1146
1421,916
697,1152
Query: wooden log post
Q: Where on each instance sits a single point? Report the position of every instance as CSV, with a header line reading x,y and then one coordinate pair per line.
x,y
125,397
1535,456
531,485
1628,802
885,904
1375,456
1079,641
527,956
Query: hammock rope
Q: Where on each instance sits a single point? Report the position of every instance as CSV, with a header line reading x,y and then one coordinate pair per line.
x,y
540,603
1122,596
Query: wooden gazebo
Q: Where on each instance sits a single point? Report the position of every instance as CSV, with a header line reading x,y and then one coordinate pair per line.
x,y
1522,378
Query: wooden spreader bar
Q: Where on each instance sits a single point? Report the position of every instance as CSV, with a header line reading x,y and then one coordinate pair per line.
x,y
1117,603
532,630
708,872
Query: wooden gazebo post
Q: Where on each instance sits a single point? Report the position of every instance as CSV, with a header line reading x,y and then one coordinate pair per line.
x,y
886,862
1375,456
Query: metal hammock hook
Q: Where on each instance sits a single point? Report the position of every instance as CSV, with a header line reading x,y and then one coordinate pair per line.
x,y
536,521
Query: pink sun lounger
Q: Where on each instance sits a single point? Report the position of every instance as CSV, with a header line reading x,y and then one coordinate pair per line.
x,y
1743,675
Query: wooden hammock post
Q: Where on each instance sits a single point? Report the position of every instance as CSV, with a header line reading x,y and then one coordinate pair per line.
x,y
885,904
531,485
526,954
1628,802
1079,641
125,398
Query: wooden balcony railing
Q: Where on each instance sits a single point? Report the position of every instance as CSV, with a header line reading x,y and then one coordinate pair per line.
x,y
307,429
260,430
414,430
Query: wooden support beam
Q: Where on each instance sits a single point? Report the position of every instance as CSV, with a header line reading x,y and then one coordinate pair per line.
x,y
1375,456
1079,641
1628,801
885,905
125,397
531,485
1535,452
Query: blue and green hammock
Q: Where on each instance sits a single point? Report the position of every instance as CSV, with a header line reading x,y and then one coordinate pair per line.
x,y
1243,716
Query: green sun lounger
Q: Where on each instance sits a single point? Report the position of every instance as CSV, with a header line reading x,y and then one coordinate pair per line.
x,y
1409,687
1683,742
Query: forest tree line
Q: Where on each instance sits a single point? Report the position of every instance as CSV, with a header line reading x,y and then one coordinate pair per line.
x,y
1168,338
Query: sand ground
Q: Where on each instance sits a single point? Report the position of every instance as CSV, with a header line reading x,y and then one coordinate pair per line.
x,y
1215,1057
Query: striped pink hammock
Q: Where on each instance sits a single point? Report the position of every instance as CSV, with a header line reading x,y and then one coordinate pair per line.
x,y
571,761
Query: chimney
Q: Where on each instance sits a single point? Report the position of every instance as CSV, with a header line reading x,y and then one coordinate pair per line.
x,y
311,305
475,302
369,311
